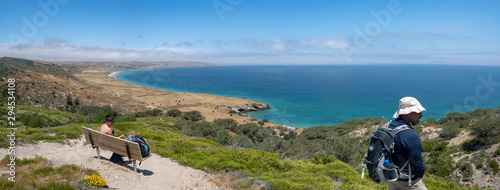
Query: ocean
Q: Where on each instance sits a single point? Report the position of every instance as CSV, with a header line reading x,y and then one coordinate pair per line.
x,y
305,96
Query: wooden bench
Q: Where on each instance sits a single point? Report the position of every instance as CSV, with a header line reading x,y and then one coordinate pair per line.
x,y
114,144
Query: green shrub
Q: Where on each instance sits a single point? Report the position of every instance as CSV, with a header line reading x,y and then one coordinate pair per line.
x,y
92,110
435,182
43,171
467,171
455,116
487,131
431,121
450,130
193,116
497,152
346,149
121,119
325,159
243,141
56,186
205,129
6,184
427,146
479,158
228,124
149,113
36,173
255,132
174,113
439,162
493,164
470,145
434,145
101,118
318,132
290,135
35,120
37,117
479,166
67,170
349,125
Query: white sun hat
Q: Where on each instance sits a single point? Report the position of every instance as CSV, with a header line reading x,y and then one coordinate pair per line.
x,y
408,105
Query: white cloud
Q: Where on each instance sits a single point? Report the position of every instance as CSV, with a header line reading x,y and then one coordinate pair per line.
x,y
54,49
325,43
273,44
243,51
185,43
303,45
449,27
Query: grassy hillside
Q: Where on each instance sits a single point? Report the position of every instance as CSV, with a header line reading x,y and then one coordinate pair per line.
x,y
461,150
60,84
36,173
42,84
166,138
14,66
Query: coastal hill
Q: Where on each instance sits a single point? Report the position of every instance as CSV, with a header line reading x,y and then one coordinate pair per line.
x,y
81,66
205,132
55,84
48,84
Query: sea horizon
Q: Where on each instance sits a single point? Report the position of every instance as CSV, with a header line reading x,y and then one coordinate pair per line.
x,y
311,95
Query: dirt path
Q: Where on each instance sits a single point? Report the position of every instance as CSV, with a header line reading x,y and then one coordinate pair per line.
x,y
154,173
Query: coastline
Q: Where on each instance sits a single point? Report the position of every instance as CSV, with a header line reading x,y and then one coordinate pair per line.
x,y
114,73
243,108
133,97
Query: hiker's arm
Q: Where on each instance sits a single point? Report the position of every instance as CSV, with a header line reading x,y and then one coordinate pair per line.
x,y
415,151
122,136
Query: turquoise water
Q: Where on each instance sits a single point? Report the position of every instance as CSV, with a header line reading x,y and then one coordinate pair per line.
x,y
305,96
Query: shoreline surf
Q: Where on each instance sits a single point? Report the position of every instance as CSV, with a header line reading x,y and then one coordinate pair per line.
x,y
306,96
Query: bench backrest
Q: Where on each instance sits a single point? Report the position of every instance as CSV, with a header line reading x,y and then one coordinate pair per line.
x,y
117,145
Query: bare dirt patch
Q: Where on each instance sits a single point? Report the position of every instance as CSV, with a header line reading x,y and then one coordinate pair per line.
x,y
154,173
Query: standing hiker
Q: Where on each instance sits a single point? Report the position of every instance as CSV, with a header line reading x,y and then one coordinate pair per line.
x,y
407,145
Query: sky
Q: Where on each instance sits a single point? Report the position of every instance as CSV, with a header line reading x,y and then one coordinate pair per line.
x,y
254,32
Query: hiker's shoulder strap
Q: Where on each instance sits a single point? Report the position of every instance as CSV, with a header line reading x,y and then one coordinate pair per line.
x,y
401,128
386,125
395,130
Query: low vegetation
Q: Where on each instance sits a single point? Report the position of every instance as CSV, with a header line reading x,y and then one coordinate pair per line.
x,y
322,157
37,173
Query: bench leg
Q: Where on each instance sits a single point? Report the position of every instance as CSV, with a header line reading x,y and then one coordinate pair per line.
x,y
135,166
98,154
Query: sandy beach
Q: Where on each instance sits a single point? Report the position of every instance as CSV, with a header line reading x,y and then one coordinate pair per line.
x,y
138,98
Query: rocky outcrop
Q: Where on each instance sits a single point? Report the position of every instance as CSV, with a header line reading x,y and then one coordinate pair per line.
x,y
250,107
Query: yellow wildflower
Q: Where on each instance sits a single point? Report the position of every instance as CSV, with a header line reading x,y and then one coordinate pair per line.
x,y
95,180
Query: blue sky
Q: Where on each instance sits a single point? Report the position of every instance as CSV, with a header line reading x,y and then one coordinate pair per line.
x,y
237,32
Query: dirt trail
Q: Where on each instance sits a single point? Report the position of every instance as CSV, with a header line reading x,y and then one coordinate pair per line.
x,y
154,173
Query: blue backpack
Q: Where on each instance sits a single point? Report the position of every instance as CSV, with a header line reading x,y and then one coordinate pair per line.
x,y
142,144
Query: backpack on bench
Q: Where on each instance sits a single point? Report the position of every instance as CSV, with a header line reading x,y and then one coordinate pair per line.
x,y
142,144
